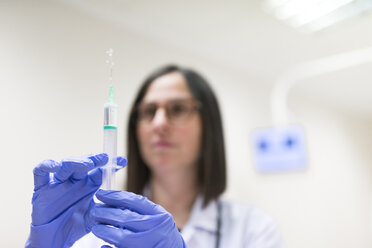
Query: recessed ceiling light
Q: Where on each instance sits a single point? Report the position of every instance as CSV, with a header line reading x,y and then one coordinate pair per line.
x,y
315,15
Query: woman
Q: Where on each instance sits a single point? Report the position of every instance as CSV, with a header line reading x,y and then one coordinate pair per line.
x,y
177,160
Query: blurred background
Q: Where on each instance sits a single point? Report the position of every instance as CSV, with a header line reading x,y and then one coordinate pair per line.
x,y
54,82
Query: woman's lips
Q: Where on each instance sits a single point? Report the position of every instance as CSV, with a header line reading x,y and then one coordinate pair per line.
x,y
163,144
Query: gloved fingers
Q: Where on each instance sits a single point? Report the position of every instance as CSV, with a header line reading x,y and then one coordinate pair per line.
x,y
96,174
134,202
121,161
77,168
111,234
42,172
98,162
99,159
125,218
78,175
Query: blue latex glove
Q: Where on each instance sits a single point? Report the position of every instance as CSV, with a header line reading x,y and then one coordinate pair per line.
x,y
61,202
129,220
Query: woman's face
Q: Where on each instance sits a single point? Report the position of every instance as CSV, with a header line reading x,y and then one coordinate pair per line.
x,y
169,127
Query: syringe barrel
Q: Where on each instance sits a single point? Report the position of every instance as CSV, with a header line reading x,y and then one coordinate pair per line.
x,y
110,141
109,147
110,114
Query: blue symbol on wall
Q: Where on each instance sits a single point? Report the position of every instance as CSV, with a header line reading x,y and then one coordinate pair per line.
x,y
280,149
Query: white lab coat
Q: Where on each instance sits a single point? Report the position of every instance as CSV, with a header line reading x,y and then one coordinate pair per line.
x,y
241,227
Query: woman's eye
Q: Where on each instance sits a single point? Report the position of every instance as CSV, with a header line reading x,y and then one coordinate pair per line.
x,y
178,109
147,112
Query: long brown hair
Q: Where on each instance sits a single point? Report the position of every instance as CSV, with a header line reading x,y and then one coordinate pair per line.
x,y
212,161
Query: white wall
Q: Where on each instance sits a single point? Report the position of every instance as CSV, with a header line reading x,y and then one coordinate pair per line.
x,y
328,205
53,85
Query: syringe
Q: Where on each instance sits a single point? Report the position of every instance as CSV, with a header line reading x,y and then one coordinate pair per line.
x,y
110,141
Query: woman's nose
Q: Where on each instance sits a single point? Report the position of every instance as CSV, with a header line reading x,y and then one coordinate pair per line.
x,y
160,118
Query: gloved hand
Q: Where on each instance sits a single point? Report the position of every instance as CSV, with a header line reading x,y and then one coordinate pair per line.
x,y
61,202
129,220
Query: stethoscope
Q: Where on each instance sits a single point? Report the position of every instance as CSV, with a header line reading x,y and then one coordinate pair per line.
x,y
218,224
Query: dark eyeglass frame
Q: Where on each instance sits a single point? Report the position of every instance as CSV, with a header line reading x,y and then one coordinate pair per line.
x,y
192,104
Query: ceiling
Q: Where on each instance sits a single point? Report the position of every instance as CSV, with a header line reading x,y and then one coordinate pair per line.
x,y
240,35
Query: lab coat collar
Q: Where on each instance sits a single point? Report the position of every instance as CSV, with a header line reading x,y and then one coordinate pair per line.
x,y
201,219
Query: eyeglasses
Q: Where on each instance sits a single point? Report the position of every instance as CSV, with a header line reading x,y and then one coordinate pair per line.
x,y
177,111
